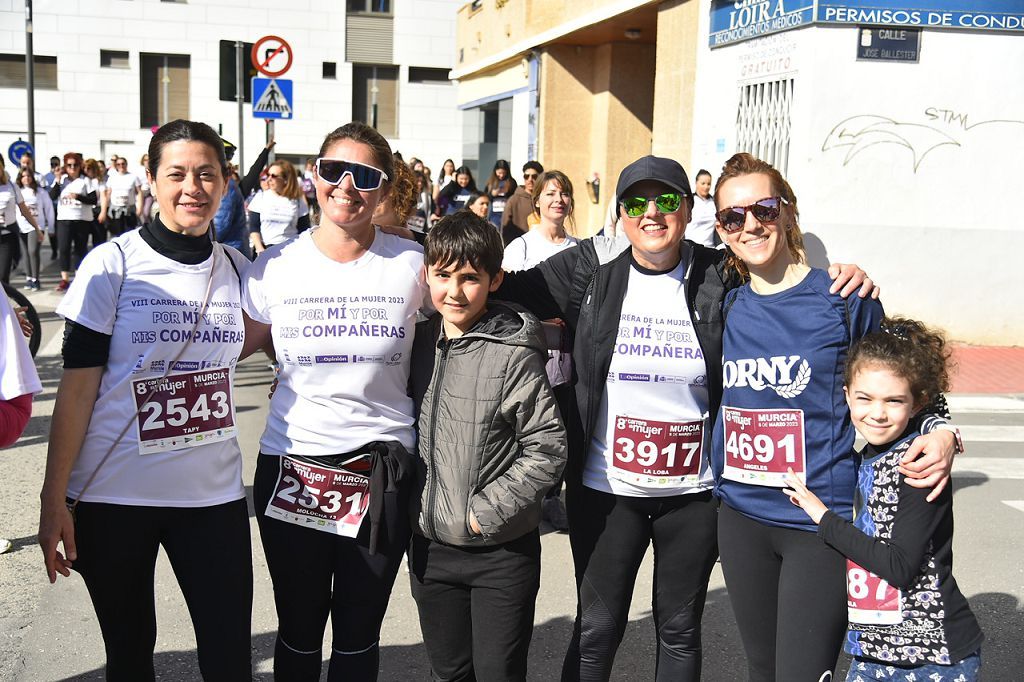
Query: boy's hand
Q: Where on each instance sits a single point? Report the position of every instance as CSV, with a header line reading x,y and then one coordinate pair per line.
x,y
473,525
928,461
804,498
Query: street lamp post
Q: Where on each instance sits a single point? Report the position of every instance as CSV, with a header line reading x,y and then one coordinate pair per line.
x,y
30,76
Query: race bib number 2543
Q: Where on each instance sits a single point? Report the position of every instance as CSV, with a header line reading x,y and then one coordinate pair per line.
x,y
184,410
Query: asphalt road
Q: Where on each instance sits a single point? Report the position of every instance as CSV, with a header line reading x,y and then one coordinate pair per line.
x,y
49,632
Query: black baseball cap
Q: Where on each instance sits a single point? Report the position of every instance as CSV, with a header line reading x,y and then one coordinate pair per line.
x,y
667,171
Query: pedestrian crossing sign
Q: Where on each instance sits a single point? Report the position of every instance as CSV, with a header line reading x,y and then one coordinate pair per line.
x,y
272,98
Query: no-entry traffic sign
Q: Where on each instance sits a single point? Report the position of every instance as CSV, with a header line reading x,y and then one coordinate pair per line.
x,y
272,56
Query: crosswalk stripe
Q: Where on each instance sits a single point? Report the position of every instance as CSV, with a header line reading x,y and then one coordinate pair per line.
x,y
983,403
989,467
52,347
991,434
1016,504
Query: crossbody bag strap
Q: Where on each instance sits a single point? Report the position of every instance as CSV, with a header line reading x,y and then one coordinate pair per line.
x,y
152,392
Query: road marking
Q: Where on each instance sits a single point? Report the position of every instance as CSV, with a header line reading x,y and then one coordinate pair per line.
x,y
983,403
1016,504
989,467
52,347
991,434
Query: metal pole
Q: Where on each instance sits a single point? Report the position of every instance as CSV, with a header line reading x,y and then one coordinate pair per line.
x,y
270,135
240,98
30,77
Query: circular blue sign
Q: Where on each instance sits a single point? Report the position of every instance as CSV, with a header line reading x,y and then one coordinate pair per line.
x,y
19,149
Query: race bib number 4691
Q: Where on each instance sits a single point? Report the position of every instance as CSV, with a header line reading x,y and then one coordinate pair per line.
x,y
657,454
184,410
319,497
871,600
761,445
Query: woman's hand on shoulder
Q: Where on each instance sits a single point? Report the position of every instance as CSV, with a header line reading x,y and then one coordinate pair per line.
x,y
847,278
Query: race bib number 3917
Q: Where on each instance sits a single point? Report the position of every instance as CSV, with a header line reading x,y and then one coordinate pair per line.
x,y
761,445
657,454
184,410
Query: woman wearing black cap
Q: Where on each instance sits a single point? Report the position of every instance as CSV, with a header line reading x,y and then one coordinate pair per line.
x,y
645,316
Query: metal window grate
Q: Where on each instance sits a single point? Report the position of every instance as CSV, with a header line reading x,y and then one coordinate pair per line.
x,y
763,121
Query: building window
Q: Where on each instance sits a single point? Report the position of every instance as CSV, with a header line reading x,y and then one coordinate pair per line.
x,y
330,70
163,88
12,71
372,6
763,121
114,59
375,97
426,74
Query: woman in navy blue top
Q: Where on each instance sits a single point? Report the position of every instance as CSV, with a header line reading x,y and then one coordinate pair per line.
x,y
784,350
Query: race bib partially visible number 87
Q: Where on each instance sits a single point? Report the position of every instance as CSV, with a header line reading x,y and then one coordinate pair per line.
x,y
870,599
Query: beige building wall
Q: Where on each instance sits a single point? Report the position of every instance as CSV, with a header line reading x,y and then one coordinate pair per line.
x,y
596,110
674,80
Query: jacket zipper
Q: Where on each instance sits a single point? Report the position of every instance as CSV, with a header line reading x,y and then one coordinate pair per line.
x,y
432,491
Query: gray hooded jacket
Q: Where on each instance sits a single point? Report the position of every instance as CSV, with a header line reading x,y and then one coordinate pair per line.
x,y
491,439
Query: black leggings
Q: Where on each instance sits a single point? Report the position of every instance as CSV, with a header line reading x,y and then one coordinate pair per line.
x,y
609,536
788,594
316,574
72,232
209,550
10,246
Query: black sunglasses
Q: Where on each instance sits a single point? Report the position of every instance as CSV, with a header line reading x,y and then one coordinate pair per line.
x,y
364,178
766,210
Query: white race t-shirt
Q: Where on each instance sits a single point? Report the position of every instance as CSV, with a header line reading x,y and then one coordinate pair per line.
x,y
181,451
701,228
123,187
10,197
532,248
42,212
279,216
73,209
343,334
17,370
652,433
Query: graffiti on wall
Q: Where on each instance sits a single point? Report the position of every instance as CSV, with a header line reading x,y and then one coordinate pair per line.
x,y
939,128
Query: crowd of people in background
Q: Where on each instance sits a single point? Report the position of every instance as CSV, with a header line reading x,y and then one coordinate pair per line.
x,y
91,201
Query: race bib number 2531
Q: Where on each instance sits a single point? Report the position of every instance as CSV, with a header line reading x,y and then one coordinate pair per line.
x,y
184,410
319,497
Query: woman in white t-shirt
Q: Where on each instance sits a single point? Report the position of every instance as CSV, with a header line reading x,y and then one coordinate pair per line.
x,y
553,206
280,212
340,304
701,228
143,452
75,195
12,202
41,208
18,382
96,171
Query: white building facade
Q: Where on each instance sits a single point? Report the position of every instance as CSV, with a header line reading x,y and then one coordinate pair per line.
x,y
107,71
900,125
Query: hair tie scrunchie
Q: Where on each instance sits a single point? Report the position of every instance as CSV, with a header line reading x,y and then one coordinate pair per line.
x,y
900,331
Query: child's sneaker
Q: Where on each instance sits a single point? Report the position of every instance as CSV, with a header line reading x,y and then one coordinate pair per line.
x,y
63,286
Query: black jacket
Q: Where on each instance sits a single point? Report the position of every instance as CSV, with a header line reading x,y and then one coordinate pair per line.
x,y
585,286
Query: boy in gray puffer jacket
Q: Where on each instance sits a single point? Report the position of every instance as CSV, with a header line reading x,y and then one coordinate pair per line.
x,y
491,443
